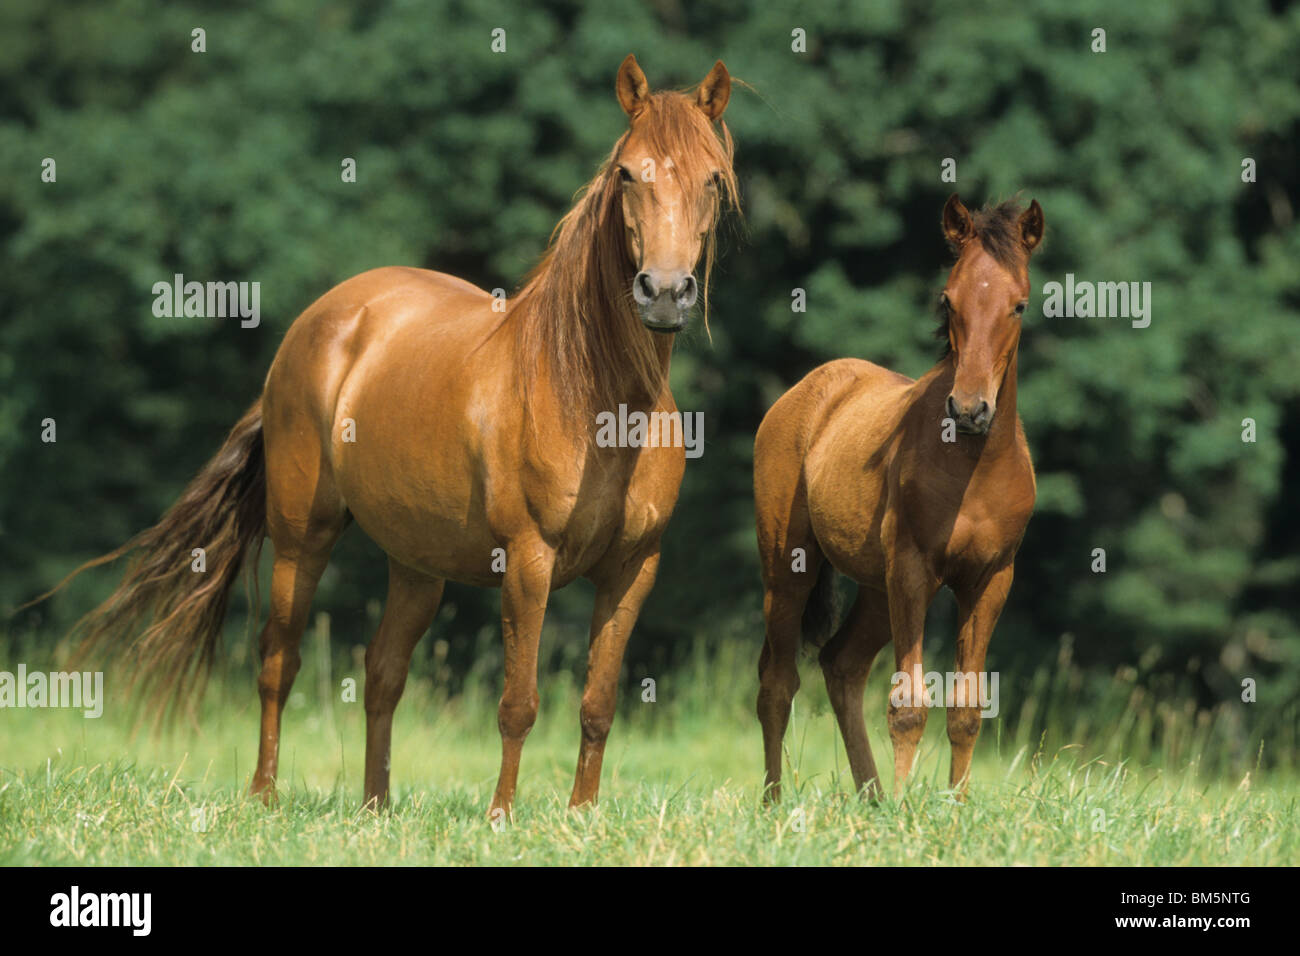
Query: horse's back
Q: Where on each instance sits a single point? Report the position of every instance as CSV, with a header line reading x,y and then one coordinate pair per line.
x,y
386,281
335,333
801,413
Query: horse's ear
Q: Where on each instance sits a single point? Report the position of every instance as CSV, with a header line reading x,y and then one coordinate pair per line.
x,y
1031,226
714,91
957,223
633,90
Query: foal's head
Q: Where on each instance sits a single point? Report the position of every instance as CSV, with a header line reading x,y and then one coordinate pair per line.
x,y
983,300
672,171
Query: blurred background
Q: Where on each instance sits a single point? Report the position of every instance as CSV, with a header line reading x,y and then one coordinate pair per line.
x,y
225,165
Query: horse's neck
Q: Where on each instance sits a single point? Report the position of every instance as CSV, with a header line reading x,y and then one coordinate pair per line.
x,y
580,408
663,345
1007,397
628,390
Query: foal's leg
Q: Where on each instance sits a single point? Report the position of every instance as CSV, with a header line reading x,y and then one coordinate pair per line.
x,y
524,593
618,602
911,588
978,610
846,662
778,671
412,603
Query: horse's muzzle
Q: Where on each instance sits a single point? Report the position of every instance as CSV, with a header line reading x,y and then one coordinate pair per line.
x,y
664,303
971,419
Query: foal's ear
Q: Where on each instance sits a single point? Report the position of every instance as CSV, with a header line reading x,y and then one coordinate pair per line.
x,y
957,224
714,91
631,86
1031,226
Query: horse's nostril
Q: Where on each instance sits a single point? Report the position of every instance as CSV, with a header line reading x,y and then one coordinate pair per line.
x,y
685,292
643,289
952,408
982,412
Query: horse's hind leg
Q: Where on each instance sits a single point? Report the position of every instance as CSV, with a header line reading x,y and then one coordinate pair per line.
x,y
304,520
792,561
846,662
778,677
784,602
412,603
294,576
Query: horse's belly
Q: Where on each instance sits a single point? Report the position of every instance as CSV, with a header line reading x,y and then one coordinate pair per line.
x,y
436,531
410,479
847,525
429,511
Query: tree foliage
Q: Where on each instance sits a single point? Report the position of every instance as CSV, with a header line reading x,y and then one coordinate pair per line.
x,y
226,165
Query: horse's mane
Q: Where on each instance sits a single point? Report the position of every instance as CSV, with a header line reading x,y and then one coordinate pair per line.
x,y
575,323
997,226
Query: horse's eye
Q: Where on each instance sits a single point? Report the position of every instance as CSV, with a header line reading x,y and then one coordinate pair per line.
x,y
715,181
1020,308
624,175
945,303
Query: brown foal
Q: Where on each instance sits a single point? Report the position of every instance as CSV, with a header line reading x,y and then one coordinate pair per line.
x,y
458,430
904,486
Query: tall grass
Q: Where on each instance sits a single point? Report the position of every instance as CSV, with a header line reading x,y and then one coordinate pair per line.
x,y
1074,769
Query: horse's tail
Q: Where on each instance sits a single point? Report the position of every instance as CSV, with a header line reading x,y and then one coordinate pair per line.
x,y
181,596
823,608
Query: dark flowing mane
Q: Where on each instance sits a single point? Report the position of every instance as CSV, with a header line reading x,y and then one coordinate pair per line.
x,y
997,227
574,318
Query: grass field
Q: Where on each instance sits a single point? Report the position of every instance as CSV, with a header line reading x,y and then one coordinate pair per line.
x,y
680,786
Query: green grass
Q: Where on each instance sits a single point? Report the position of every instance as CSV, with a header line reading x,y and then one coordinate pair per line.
x,y
680,786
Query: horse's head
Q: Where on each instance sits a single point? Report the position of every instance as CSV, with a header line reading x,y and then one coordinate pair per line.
x,y
983,300
673,172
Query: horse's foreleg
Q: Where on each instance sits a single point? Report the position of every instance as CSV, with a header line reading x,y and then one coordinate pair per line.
x,y
618,602
978,611
911,587
524,593
846,662
412,603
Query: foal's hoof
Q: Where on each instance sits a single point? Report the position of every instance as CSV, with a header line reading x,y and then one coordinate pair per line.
x,y
265,791
871,794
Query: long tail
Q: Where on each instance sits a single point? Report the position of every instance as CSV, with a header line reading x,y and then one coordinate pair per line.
x,y
822,610
222,511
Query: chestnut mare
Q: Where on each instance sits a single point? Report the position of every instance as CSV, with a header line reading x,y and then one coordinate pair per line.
x,y
904,486
458,430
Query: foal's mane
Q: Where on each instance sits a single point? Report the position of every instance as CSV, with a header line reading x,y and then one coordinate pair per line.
x,y
576,326
997,227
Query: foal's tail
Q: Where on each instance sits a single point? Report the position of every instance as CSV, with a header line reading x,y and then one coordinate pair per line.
x,y
181,601
822,610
